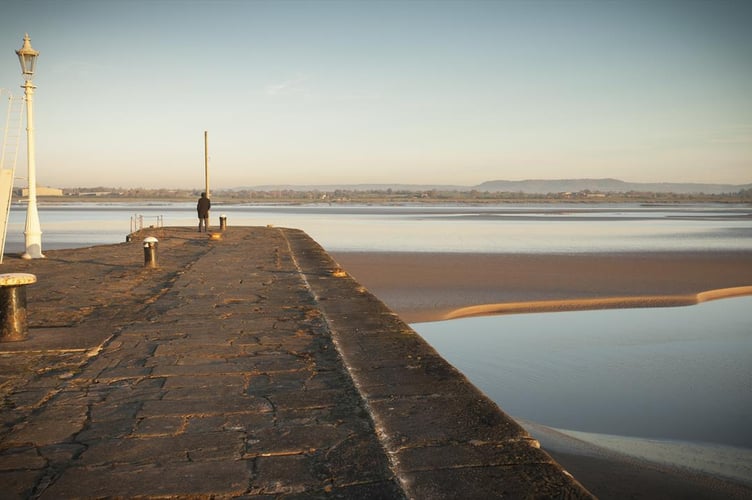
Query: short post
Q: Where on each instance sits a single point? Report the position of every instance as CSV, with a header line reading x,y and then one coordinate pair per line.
x,y
222,222
13,324
150,251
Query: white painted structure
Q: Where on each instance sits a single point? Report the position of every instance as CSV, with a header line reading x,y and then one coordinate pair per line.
x,y
33,231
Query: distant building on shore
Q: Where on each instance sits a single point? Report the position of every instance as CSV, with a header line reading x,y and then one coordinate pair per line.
x,y
41,191
90,194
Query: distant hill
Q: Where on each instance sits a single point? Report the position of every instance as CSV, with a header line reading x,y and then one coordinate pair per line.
x,y
532,186
607,186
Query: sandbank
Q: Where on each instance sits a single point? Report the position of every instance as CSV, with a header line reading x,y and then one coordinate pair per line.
x,y
424,287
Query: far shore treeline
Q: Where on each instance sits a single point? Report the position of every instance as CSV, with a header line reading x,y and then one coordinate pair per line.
x,y
390,196
530,191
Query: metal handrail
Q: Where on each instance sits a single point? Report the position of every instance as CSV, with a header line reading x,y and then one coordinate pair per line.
x,y
137,221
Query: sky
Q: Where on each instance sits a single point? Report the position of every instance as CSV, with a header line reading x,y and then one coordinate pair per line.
x,y
358,92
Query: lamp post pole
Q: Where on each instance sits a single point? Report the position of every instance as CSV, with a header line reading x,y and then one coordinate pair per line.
x,y
206,163
33,230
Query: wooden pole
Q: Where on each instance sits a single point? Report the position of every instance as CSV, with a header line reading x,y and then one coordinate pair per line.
x,y
206,161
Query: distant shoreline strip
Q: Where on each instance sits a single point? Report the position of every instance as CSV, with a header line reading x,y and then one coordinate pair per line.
x,y
598,303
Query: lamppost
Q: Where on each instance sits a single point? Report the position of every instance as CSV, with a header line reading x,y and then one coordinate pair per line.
x,y
33,230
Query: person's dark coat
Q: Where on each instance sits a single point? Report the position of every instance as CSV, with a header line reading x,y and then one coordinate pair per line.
x,y
203,206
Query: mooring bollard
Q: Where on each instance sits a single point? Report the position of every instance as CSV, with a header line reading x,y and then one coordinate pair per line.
x,y
13,326
222,222
150,251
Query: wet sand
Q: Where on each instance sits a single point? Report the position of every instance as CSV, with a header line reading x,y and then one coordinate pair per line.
x,y
435,286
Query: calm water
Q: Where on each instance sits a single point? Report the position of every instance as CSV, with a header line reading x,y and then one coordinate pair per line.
x,y
682,373
503,229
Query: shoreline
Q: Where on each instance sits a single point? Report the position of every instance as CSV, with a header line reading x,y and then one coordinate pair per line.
x,y
615,470
438,286
598,303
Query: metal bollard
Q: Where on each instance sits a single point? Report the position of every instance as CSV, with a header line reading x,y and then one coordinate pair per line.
x,y
150,251
222,222
13,325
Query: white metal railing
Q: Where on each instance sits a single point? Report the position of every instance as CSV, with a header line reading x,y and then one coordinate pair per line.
x,y
11,135
9,146
137,221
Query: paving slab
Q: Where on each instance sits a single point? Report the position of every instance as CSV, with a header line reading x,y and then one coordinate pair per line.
x,y
242,366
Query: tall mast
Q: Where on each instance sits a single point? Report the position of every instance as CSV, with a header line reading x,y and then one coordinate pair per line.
x,y
206,162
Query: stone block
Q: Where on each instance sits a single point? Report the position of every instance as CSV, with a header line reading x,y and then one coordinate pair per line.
x,y
286,475
293,440
206,381
230,422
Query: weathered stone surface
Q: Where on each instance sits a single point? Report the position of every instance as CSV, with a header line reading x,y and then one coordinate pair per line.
x,y
306,399
355,460
518,481
161,449
186,479
107,429
241,367
471,454
199,406
57,425
19,483
115,410
290,440
440,418
24,457
160,426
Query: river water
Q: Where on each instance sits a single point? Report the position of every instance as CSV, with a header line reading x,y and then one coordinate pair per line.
x,y
421,228
626,372
662,381
669,385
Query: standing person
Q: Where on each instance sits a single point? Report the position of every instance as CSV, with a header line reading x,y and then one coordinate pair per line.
x,y
203,206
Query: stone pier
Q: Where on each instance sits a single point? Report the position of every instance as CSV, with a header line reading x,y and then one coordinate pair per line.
x,y
245,365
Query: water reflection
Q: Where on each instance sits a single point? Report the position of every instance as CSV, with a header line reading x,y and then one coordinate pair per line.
x,y
675,373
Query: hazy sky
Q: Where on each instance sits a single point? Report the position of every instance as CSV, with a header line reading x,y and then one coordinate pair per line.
x,y
451,92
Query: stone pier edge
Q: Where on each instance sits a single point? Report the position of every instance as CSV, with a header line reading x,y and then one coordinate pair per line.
x,y
443,436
